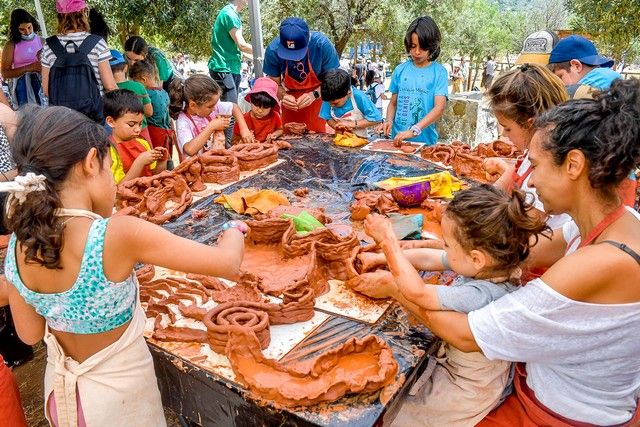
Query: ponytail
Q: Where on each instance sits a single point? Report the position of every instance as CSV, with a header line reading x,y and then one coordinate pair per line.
x,y
197,88
47,144
500,225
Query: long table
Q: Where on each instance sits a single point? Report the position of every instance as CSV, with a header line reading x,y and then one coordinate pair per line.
x,y
332,174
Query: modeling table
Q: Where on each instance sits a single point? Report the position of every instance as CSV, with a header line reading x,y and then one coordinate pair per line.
x,y
203,390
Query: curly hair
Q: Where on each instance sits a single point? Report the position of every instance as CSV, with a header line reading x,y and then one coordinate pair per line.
x,y
524,93
606,129
501,225
49,141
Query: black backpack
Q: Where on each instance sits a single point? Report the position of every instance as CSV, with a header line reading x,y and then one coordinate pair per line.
x,y
72,82
371,91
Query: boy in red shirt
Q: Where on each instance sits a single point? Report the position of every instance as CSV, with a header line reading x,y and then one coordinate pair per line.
x,y
264,118
131,156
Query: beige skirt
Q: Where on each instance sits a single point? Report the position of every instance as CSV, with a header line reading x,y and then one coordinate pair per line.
x,y
458,390
116,386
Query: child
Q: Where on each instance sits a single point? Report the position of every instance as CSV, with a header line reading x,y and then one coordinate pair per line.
x,y
160,130
375,88
264,117
419,87
344,107
196,106
71,276
132,156
487,236
119,69
517,98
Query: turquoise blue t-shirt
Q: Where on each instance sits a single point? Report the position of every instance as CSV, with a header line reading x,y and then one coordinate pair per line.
x,y
416,89
600,78
322,55
368,108
160,102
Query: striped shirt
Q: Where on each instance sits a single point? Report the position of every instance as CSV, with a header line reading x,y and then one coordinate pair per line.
x,y
98,54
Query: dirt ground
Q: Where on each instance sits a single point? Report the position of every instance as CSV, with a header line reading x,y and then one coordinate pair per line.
x,y
30,377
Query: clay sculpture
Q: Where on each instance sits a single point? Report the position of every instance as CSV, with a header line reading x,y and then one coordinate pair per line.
x,y
372,201
467,162
254,156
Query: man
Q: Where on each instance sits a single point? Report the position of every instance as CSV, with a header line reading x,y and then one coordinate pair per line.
x,y
295,60
576,61
227,43
489,71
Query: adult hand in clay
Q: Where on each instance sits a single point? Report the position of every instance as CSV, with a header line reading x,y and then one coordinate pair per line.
x,y
289,102
305,100
384,128
377,284
379,228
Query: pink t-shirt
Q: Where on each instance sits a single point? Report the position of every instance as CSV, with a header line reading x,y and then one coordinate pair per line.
x,y
26,52
190,126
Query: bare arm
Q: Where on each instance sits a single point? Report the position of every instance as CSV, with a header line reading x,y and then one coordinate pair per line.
x,y
452,327
242,124
422,259
130,240
4,100
7,60
148,109
45,80
29,324
236,35
106,76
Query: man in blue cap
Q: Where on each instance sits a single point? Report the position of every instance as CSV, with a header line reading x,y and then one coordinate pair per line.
x,y
295,60
576,61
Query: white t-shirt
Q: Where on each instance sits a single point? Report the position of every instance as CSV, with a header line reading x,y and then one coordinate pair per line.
x,y
188,127
98,54
582,359
554,221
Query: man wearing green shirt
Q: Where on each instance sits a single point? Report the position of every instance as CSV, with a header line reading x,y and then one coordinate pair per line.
x,y
227,43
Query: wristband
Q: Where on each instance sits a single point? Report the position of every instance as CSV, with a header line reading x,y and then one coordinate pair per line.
x,y
415,129
237,225
444,259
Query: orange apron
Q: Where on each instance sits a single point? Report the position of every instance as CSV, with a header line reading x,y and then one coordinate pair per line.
x,y
310,115
522,409
627,192
128,152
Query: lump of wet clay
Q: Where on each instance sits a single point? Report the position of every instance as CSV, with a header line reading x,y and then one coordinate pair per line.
x,y
278,211
191,170
372,201
293,128
357,366
254,156
281,144
301,192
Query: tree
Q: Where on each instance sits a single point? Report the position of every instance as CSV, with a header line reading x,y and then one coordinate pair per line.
x,y
614,24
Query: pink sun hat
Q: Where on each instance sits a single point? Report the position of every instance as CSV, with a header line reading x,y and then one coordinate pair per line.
x,y
70,6
265,85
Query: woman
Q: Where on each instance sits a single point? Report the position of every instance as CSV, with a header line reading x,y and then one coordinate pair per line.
x,y
20,59
136,49
576,326
63,87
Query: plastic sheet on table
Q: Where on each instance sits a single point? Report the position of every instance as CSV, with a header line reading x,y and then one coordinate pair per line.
x,y
330,173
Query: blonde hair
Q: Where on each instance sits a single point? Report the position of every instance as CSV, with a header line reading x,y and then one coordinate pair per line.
x,y
73,22
526,92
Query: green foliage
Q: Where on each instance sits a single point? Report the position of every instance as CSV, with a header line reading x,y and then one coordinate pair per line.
x,y
614,24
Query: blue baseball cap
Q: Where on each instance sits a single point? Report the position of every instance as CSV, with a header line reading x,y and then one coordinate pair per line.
x,y
116,58
578,47
294,39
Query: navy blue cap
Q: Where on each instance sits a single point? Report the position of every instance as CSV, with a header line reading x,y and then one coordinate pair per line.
x,y
578,47
116,58
294,39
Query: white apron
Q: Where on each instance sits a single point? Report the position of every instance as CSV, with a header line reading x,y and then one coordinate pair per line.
x,y
459,390
354,114
117,386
